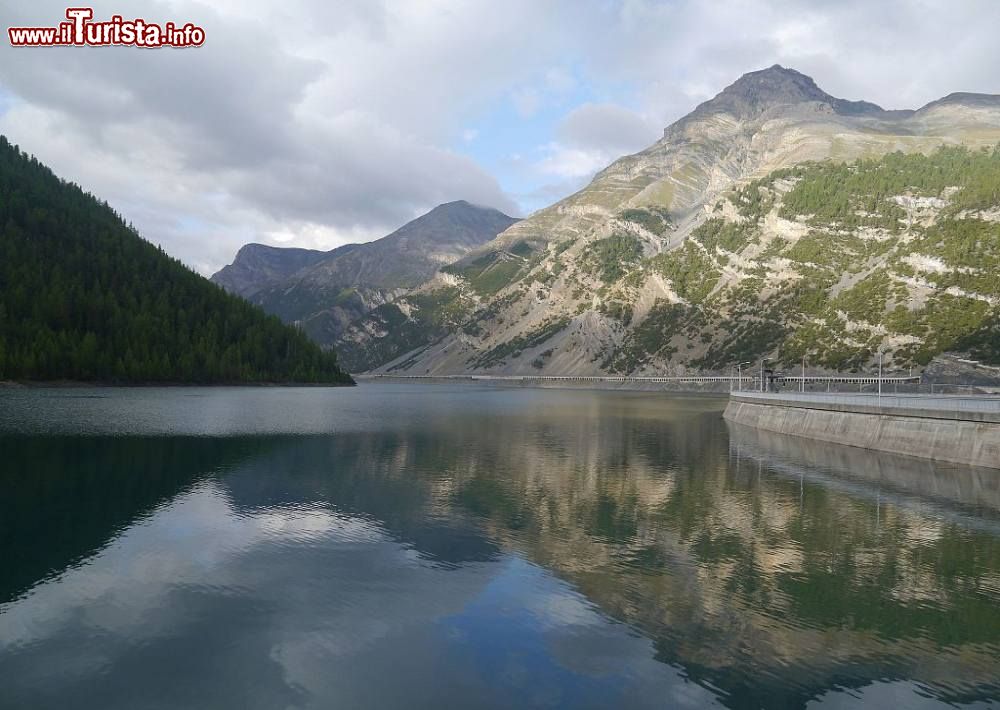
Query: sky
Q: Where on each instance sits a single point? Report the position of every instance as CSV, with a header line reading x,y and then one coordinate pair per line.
x,y
316,124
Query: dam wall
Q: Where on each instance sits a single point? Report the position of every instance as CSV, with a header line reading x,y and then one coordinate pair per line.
x,y
963,430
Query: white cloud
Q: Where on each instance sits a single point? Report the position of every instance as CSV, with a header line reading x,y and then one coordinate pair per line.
x,y
290,120
330,121
589,138
569,162
608,127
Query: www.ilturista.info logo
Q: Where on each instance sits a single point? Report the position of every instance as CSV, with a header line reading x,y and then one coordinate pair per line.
x,y
81,31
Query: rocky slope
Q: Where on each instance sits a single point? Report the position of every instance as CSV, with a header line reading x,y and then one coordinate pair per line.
x,y
324,291
709,248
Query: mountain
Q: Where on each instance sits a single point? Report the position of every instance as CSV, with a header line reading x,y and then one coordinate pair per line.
x,y
84,297
323,292
258,266
756,226
761,91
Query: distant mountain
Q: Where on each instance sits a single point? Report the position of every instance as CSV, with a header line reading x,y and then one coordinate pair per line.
x,y
748,230
323,292
84,297
258,266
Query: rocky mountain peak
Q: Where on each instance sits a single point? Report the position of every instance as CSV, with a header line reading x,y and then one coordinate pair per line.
x,y
776,84
456,206
758,91
458,222
462,209
259,265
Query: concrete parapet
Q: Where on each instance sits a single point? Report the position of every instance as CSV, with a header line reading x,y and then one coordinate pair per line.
x,y
964,433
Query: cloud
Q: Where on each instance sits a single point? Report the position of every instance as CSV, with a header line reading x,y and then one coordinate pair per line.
x,y
894,53
334,121
670,56
320,121
589,138
592,136
569,162
608,127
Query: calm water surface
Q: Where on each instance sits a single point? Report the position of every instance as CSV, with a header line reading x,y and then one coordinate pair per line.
x,y
396,546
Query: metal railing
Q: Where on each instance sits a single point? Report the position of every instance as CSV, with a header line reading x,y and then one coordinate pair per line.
x,y
788,384
745,381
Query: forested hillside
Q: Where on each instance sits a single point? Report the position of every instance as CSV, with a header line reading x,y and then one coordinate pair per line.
x,y
84,297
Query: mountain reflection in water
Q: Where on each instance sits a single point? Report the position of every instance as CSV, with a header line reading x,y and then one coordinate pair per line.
x,y
483,548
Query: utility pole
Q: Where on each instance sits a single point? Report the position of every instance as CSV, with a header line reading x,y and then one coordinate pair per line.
x,y
803,389
763,360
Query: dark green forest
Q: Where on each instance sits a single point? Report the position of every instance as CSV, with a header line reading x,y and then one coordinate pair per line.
x,y
84,297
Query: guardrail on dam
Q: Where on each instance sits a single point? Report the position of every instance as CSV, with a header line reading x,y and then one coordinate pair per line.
x,y
957,429
732,382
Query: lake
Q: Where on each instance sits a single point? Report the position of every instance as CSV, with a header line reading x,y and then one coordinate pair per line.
x,y
427,546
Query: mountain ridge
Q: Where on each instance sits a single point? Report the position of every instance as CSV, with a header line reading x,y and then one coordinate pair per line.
x,y
547,285
328,290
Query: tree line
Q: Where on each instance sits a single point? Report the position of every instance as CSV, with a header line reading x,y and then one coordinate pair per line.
x,y
84,297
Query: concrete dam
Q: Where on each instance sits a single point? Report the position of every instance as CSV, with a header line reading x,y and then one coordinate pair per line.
x,y
957,429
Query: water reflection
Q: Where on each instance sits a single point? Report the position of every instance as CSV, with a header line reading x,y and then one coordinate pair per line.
x,y
63,497
544,549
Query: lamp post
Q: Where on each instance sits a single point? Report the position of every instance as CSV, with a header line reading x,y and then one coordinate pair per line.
x,y
739,375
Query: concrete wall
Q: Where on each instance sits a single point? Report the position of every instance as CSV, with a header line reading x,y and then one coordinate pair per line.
x,y
953,486
971,440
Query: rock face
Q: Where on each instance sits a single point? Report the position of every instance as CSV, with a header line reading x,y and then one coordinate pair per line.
x,y
709,248
324,291
758,92
961,368
258,266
